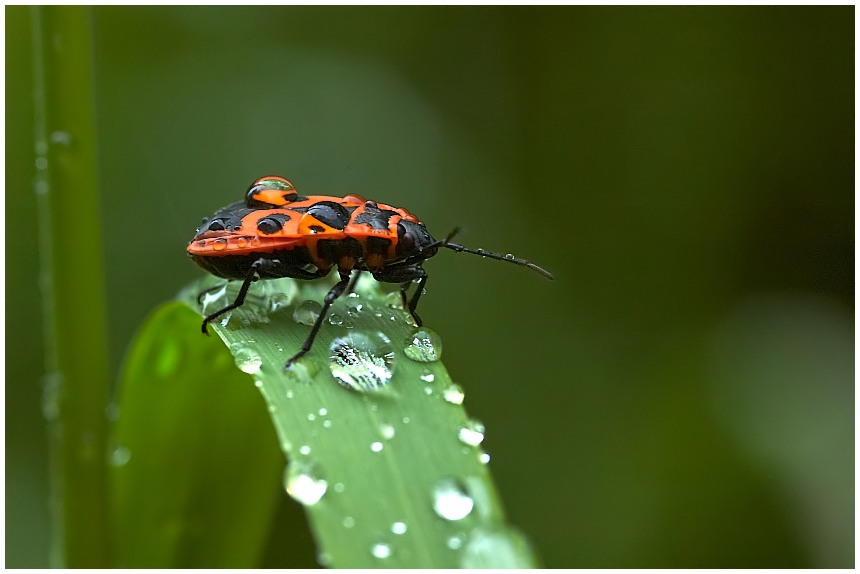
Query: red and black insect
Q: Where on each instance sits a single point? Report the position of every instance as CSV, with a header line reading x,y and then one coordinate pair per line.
x,y
275,232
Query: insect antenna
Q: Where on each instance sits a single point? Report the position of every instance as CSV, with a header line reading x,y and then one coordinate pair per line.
x,y
483,253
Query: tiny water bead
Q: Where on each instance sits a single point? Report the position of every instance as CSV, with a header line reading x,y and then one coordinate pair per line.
x,y
484,458
471,433
376,446
381,550
423,345
454,394
335,319
362,362
398,528
428,377
348,522
303,483
307,312
450,500
305,449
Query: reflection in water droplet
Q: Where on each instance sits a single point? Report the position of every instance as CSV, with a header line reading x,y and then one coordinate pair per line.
x,y
454,394
381,550
307,312
362,362
423,345
471,433
303,483
398,527
450,500
497,548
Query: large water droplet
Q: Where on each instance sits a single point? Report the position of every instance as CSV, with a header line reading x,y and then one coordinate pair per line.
x,y
423,345
454,394
247,359
381,550
450,500
362,362
471,433
497,548
303,483
307,312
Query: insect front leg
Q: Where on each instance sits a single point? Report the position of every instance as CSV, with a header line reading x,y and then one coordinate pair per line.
x,y
330,297
404,275
240,298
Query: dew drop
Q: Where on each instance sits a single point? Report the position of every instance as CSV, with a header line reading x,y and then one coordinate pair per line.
x,y
484,458
455,542
327,423
348,522
120,456
454,394
428,377
376,446
471,433
305,449
398,528
303,484
339,487
311,417
354,310
450,500
335,319
323,411
387,431
307,312
381,550
362,362
423,345
247,359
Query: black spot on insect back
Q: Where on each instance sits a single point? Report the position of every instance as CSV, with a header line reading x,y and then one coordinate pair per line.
x,y
272,223
332,214
375,217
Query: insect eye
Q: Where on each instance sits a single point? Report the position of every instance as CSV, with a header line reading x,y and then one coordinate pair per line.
x,y
270,191
405,239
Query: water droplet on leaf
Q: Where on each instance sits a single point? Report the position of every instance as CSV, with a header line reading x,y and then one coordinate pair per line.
x,y
450,500
423,345
362,362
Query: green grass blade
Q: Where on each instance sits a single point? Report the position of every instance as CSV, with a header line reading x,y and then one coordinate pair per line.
x,y
393,477
72,279
195,464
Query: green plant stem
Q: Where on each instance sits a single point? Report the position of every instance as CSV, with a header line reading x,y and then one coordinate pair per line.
x,y
72,280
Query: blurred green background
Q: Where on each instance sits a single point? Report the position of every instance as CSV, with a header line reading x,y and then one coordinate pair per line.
x,y
682,394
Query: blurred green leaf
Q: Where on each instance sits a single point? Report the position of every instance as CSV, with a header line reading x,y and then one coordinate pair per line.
x,y
195,465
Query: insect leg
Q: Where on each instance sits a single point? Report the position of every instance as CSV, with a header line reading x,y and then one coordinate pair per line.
x,y
333,294
354,281
240,298
413,303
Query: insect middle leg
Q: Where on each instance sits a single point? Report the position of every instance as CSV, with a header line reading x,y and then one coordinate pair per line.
x,y
240,298
330,297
